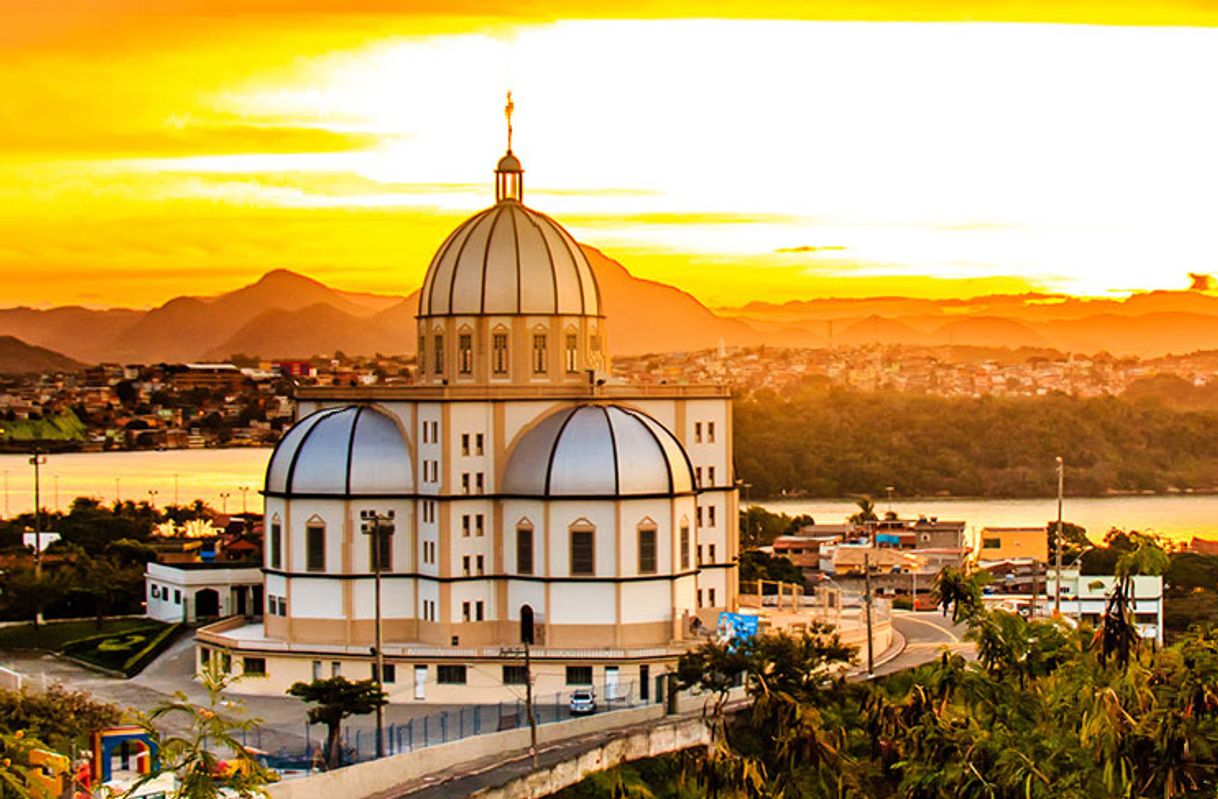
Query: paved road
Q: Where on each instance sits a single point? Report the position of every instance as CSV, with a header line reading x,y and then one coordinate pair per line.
x,y
927,634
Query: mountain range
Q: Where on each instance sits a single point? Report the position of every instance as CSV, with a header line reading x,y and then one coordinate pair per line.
x,y
288,315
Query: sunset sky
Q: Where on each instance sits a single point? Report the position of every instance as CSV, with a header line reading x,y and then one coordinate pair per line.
x,y
149,149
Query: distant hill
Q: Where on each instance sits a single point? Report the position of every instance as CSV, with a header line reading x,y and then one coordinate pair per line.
x,y
17,358
285,314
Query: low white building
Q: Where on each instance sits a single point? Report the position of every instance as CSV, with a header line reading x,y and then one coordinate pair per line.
x,y
191,592
1085,597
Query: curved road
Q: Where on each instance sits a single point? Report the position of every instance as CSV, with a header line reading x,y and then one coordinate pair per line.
x,y
927,634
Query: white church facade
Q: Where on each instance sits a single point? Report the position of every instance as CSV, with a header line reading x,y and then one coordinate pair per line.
x,y
521,479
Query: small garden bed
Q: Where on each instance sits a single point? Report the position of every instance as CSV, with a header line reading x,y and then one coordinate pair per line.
x,y
53,635
125,652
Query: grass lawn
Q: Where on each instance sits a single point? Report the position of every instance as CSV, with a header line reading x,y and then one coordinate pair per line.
x,y
53,635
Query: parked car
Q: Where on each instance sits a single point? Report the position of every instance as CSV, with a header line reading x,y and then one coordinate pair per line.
x,y
583,702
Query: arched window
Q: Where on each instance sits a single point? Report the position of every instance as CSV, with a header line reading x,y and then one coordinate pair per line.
x,y
647,547
276,542
315,544
438,352
571,350
524,547
583,548
465,352
539,351
499,351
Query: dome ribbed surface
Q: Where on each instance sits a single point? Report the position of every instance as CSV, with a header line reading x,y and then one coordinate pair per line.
x,y
510,259
598,450
343,451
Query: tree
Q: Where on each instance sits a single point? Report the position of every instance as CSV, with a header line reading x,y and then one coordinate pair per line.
x,y
756,565
209,730
337,698
63,719
1118,634
960,592
866,511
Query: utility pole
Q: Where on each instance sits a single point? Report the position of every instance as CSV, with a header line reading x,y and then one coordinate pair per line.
x,y
118,489
37,459
528,698
1057,594
867,602
378,525
1035,588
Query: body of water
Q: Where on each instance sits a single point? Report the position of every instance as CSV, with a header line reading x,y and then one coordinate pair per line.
x,y
1178,516
208,474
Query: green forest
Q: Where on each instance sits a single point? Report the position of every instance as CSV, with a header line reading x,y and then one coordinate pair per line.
x,y
831,442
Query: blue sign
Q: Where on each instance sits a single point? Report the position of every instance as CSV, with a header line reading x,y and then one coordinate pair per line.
x,y
734,626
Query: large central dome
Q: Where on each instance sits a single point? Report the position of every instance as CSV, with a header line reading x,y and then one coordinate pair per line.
x,y
512,260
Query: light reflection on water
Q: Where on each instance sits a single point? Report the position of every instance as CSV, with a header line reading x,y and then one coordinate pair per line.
x,y
206,474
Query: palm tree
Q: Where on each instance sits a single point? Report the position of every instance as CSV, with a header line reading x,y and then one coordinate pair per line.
x,y
960,592
866,511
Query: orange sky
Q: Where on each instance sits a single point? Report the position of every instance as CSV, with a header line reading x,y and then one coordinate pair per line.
x,y
764,154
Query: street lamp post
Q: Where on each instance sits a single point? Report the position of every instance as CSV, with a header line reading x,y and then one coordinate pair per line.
x,y
37,459
224,495
118,489
152,492
244,494
378,525
1057,593
890,489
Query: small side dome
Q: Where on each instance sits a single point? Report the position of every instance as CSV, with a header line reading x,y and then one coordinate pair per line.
x,y
598,451
352,450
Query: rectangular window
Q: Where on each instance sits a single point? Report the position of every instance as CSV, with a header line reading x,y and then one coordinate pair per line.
x,y
254,666
710,512
479,525
515,675
315,547
711,594
524,550
699,560
177,597
336,669
385,538
481,566
710,433
450,675
684,547
316,670
276,545
478,449
711,550
465,482
204,656
698,517
572,353
465,443
439,353
697,432
226,663
699,597
283,606
479,483
465,525
465,606
991,543
698,476
647,551
391,672
479,611
710,475
500,357
465,565
465,353
539,353
583,552
579,675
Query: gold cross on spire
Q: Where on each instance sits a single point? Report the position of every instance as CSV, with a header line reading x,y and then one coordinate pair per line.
x,y
507,112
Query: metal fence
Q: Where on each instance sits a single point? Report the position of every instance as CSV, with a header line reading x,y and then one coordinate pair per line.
x,y
439,727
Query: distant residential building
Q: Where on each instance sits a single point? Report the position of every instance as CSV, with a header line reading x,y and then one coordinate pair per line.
x,y
1005,543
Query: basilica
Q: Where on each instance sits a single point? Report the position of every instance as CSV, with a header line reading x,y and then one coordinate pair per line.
x,y
522,480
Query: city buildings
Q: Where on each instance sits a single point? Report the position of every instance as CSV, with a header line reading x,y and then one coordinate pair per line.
x,y
520,481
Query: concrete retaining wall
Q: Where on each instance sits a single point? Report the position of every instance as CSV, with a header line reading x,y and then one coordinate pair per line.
x,y
661,740
380,776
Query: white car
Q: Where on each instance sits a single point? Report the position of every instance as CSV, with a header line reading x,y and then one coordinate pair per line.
x,y
583,702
